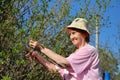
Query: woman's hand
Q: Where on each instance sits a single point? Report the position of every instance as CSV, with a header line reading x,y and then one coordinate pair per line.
x,y
36,45
28,56
33,44
31,55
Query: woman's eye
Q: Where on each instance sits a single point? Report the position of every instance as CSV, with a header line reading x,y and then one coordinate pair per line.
x,y
73,32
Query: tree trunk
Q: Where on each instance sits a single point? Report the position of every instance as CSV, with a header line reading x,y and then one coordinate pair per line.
x,y
97,33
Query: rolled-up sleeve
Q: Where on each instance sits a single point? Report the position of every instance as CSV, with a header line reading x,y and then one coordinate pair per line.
x,y
80,60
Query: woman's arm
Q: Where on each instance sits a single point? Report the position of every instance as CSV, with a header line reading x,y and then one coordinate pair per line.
x,y
33,55
62,61
44,62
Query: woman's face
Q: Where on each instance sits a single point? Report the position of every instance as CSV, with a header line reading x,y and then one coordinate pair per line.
x,y
76,38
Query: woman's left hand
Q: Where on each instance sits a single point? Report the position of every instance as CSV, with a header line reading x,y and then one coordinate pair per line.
x,y
36,45
33,44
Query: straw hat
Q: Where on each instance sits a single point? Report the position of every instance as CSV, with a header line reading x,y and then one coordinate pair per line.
x,y
79,23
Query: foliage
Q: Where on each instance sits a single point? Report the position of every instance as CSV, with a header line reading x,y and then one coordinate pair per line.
x,y
28,20
109,63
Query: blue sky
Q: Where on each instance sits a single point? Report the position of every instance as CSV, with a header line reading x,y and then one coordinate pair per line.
x,y
108,35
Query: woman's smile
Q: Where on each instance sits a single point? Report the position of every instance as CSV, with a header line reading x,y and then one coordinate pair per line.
x,y
76,38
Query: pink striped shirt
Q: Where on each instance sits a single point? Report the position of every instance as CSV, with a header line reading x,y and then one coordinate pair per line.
x,y
84,65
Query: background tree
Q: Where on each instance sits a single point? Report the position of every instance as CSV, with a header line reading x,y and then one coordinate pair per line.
x,y
21,21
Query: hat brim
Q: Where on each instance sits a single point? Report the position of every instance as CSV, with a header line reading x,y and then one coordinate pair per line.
x,y
69,28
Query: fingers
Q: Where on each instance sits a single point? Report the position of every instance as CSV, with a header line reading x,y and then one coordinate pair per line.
x,y
31,55
34,55
32,46
36,45
28,54
32,43
30,59
42,46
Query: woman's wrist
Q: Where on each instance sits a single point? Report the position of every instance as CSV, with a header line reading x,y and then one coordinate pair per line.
x,y
44,50
39,47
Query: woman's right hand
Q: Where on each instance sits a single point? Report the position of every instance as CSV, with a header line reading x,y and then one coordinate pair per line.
x,y
31,55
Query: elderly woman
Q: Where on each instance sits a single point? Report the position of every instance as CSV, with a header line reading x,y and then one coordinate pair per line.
x,y
82,64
